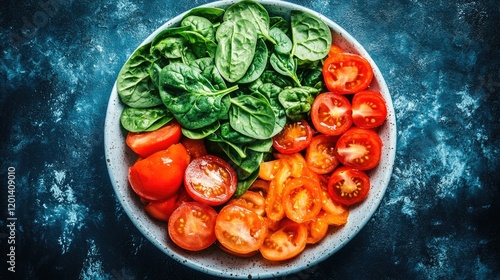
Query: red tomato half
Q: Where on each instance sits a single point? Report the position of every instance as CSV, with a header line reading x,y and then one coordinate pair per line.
x,y
285,243
348,186
331,113
240,229
359,148
346,73
294,137
210,179
320,154
368,109
192,226
160,175
195,147
148,143
161,210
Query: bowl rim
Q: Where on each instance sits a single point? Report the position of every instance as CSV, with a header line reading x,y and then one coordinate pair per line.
x,y
120,187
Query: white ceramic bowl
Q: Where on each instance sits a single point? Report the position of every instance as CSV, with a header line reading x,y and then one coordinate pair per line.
x,y
213,261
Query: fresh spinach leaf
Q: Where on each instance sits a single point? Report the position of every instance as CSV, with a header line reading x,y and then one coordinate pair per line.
x,y
200,133
252,116
285,65
212,14
233,136
311,36
134,85
258,65
170,47
208,70
244,185
235,48
144,119
283,42
297,101
271,92
200,25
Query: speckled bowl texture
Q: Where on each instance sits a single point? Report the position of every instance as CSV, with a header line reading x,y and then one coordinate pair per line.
x,y
213,261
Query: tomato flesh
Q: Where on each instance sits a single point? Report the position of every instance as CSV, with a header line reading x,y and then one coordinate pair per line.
x,y
320,154
294,137
285,243
359,148
331,113
346,73
301,199
348,186
240,229
368,109
147,143
192,226
211,180
160,175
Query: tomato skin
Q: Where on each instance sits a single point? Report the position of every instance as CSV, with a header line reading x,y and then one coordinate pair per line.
x,y
320,154
192,226
331,113
294,137
348,186
240,229
161,210
285,243
368,109
346,73
210,179
359,148
160,175
301,199
147,143
251,200
316,229
195,147
334,49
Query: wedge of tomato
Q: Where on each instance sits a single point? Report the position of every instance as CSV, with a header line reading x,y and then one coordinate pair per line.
x,y
301,199
240,229
192,226
348,186
147,143
160,175
195,147
331,113
359,148
161,210
293,138
368,109
286,242
210,179
251,200
346,73
320,154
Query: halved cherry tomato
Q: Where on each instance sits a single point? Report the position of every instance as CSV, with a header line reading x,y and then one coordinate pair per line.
x,y
368,109
346,73
274,205
160,175
247,255
348,186
331,113
301,199
268,169
260,186
316,230
334,49
147,143
192,226
251,200
161,210
320,154
240,229
338,217
296,162
285,243
210,179
195,147
294,137
359,148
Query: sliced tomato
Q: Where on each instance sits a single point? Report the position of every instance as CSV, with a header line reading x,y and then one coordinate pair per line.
x,y
296,162
346,73
316,230
192,226
301,199
368,109
147,143
348,186
227,250
293,138
359,148
268,169
274,205
260,186
285,243
195,147
334,49
160,175
210,179
331,113
240,229
161,210
251,200
320,154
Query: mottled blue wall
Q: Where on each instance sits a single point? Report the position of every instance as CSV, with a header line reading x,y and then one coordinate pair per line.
x,y
438,219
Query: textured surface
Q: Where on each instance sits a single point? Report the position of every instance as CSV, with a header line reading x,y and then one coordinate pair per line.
x,y
438,219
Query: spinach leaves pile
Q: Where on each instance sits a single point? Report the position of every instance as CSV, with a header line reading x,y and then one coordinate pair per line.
x,y
233,77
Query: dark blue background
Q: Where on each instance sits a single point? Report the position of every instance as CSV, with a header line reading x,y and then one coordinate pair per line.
x,y
438,219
